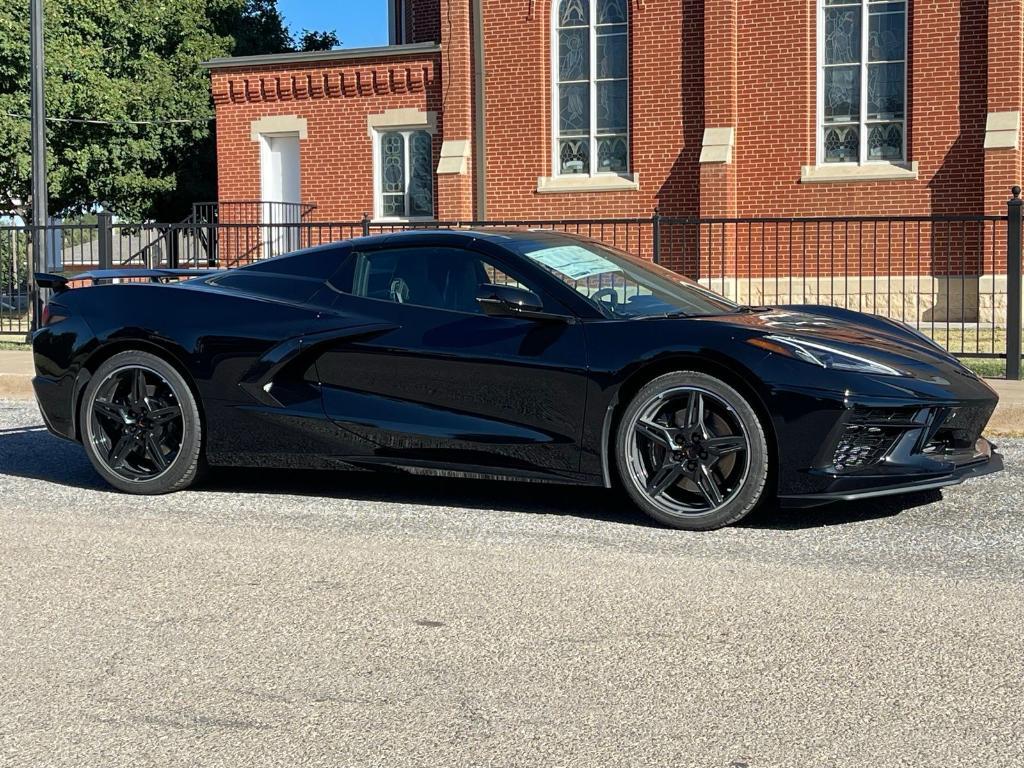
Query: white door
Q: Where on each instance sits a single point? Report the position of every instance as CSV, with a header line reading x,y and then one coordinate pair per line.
x,y
280,193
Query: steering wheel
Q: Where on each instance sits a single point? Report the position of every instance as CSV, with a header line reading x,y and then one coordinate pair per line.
x,y
608,296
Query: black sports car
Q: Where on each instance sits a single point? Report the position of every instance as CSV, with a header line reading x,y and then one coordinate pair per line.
x,y
515,354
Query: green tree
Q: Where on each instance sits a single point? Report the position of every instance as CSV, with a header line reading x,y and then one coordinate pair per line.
x,y
312,40
130,118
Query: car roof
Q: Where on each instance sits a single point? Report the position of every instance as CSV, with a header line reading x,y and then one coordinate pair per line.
x,y
496,235
501,236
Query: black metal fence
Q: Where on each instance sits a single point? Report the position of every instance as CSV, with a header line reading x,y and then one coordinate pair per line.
x,y
956,278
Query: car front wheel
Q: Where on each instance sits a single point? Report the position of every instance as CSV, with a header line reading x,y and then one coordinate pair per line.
x,y
691,452
140,425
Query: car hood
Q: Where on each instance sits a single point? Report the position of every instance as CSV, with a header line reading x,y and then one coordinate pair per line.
x,y
887,340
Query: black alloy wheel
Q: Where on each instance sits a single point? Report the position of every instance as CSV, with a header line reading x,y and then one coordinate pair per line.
x,y
140,424
692,452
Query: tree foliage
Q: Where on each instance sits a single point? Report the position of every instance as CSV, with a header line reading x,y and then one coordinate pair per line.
x,y
133,65
313,40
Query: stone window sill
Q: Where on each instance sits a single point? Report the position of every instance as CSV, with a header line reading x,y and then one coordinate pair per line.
x,y
837,174
398,222
549,185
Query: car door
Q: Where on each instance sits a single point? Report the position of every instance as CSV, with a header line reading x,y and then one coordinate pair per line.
x,y
449,386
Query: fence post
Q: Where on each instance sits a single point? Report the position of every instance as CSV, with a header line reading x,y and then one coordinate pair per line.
x,y
1013,285
36,295
105,239
656,235
366,225
212,246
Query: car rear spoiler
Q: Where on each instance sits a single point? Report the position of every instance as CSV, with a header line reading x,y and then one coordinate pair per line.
x,y
59,283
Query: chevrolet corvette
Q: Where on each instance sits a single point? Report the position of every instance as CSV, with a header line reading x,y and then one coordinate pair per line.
x,y
515,354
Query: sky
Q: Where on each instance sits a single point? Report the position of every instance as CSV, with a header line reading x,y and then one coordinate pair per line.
x,y
358,23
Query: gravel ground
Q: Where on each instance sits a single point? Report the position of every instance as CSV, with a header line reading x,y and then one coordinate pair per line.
x,y
352,620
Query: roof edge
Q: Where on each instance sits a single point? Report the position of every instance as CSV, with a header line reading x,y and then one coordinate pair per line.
x,y
302,57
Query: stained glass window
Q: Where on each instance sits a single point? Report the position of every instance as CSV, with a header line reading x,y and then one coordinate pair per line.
x,y
863,80
592,86
406,175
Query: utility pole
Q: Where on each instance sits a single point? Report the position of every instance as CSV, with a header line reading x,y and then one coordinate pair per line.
x,y
37,66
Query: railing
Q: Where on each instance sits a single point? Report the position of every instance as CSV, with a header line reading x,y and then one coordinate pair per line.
x,y
955,278
15,246
250,212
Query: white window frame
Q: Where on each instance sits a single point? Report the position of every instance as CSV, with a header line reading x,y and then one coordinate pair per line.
x,y
556,164
378,175
864,123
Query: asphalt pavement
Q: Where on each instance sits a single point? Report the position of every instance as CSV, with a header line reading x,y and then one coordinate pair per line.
x,y
305,619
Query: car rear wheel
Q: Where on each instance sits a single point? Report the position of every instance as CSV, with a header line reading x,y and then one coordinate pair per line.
x,y
691,452
140,425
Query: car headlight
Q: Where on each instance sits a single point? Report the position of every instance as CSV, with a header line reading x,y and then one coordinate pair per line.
x,y
823,355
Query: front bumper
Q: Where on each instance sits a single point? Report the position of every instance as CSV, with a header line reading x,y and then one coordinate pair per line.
x,y
876,436
860,487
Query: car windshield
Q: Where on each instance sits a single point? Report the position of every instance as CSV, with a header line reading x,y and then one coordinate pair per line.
x,y
623,286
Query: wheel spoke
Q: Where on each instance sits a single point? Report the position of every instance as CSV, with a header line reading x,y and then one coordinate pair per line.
x,y
655,433
723,446
708,486
120,451
161,416
139,392
109,410
667,475
695,411
155,454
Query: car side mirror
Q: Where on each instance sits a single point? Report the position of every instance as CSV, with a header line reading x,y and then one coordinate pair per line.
x,y
510,301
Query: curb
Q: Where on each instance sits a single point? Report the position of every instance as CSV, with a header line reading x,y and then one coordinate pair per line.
x,y
17,386
1007,421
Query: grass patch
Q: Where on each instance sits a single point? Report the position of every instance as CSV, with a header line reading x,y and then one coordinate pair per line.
x,y
968,339
987,368
15,346
964,340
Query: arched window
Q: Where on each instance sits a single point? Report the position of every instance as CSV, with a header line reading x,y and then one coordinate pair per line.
x,y
404,175
862,79
591,86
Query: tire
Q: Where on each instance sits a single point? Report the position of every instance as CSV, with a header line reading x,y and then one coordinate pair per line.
x,y
691,452
143,436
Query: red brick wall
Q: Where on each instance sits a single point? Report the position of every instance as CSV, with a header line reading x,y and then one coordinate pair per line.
x,y
423,21
335,98
767,49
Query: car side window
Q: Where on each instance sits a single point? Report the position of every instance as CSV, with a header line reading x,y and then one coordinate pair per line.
x,y
436,277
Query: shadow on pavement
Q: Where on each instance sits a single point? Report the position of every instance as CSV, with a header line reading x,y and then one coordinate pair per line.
x,y
31,452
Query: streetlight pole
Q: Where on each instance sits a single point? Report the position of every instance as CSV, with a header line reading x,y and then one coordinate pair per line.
x,y
37,254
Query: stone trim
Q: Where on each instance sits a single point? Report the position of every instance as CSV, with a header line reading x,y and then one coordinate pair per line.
x,y
718,145
455,154
550,185
402,118
278,124
830,174
304,57
919,298
1002,130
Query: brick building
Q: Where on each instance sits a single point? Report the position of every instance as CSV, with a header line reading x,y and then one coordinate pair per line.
x,y
515,109
615,107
